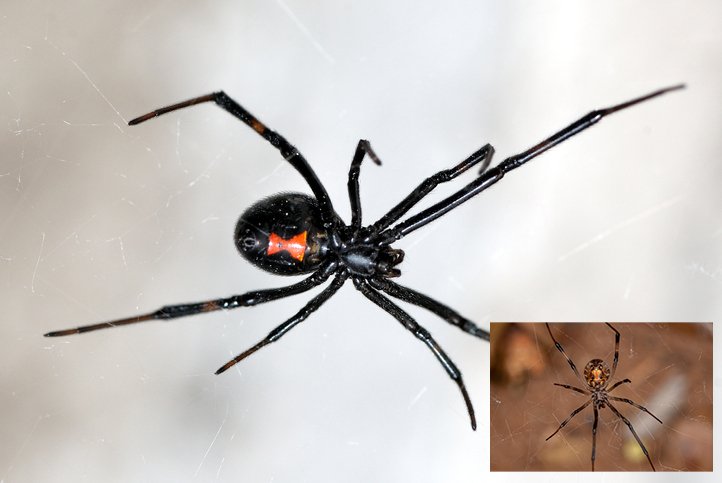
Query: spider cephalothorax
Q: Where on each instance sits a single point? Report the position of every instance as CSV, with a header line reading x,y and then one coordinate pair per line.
x,y
294,234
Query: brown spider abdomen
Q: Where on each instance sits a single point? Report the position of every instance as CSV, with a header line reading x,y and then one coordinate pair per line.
x,y
596,373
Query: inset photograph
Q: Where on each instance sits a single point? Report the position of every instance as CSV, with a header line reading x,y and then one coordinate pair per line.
x,y
603,396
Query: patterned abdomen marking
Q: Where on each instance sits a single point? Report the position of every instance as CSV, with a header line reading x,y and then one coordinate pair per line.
x,y
295,246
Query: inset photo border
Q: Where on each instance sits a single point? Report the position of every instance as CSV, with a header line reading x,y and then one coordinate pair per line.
x,y
665,368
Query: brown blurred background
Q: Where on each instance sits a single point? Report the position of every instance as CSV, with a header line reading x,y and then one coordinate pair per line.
x,y
670,366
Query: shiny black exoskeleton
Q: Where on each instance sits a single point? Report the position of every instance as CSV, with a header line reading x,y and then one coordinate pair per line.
x,y
284,234
292,234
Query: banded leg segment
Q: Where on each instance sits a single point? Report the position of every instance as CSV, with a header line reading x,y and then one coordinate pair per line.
x,y
576,411
616,351
574,368
632,403
634,433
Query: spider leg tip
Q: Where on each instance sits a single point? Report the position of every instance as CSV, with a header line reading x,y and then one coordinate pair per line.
x,y
58,333
142,118
225,367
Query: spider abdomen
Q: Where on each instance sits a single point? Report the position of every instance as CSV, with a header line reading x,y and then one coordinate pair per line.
x,y
283,234
596,373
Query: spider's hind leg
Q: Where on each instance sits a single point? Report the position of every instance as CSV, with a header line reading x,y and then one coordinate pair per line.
x,y
247,299
634,433
443,311
412,326
289,324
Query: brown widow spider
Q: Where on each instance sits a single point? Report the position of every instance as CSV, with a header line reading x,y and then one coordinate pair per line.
x,y
597,377
296,234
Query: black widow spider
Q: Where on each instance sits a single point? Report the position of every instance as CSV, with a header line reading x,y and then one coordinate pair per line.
x,y
293,234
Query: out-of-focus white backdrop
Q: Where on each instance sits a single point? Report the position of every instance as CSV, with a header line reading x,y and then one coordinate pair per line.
x,y
100,220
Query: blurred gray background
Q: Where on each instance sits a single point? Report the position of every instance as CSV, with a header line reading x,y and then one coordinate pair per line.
x,y
99,220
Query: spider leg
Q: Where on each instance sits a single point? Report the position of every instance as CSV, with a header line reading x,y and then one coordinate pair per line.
x,y
411,325
290,153
634,433
416,298
617,384
635,405
491,176
282,329
574,368
182,310
616,352
594,435
576,411
576,389
363,148
484,155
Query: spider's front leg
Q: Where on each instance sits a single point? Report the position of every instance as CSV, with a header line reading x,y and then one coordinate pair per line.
x,y
488,178
559,346
289,153
363,148
616,351
482,155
